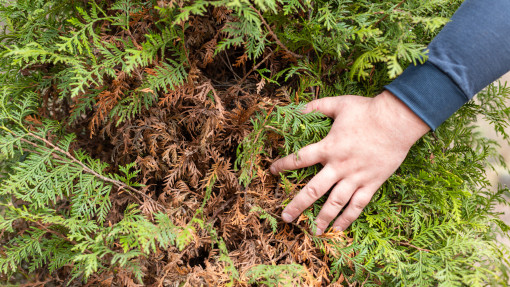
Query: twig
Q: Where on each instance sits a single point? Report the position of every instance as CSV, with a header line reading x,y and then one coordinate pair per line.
x,y
386,15
434,136
403,243
347,61
364,282
60,236
227,203
229,65
275,37
134,40
254,68
285,253
38,283
264,123
56,233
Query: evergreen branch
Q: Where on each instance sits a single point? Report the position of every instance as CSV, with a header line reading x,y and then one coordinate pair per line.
x,y
118,184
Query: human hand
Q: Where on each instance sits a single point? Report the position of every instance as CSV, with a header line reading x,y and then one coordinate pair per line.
x,y
369,139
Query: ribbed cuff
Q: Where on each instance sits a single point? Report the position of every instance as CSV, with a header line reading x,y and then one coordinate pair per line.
x,y
428,92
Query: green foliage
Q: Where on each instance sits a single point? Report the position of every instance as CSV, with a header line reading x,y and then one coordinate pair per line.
x,y
171,74
296,128
280,275
47,176
431,224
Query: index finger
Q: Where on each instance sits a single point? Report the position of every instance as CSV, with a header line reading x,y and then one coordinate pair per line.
x,y
328,106
315,188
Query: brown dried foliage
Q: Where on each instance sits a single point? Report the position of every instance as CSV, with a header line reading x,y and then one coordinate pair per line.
x,y
181,144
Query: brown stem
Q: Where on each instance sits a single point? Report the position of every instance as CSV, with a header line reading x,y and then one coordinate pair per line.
x,y
403,243
56,233
434,136
134,40
285,253
348,61
274,35
225,205
60,236
386,15
265,122
254,68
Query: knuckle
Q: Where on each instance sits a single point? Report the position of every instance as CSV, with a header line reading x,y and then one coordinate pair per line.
x,y
330,142
329,151
313,105
321,223
338,202
312,191
328,146
296,159
292,209
344,221
360,203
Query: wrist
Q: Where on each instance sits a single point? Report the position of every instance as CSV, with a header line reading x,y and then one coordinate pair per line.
x,y
398,119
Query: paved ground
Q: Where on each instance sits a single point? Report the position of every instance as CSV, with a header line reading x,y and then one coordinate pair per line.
x,y
501,176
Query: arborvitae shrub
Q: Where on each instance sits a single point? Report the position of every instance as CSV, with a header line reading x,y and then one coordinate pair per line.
x,y
136,137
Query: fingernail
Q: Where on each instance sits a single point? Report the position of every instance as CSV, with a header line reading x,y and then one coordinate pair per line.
x,y
287,217
272,169
318,231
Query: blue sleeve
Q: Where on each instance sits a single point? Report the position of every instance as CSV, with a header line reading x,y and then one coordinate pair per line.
x,y
471,51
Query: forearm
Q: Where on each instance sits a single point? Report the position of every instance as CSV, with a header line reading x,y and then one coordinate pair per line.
x,y
471,51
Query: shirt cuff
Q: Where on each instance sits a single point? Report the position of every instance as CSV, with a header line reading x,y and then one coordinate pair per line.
x,y
429,93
